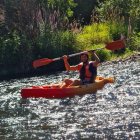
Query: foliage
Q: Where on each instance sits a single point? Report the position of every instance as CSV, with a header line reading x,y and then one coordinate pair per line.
x,y
135,42
56,13
26,16
104,55
41,28
84,9
98,33
33,29
8,47
117,29
22,16
15,53
93,34
65,7
54,44
120,10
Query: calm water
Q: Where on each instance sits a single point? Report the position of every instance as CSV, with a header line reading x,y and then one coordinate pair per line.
x,y
111,113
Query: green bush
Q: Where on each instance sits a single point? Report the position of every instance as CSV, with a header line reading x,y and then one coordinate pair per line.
x,y
54,44
8,48
116,29
15,53
104,55
93,34
98,33
134,42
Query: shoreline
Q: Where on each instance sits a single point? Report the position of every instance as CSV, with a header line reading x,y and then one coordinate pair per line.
x,y
134,56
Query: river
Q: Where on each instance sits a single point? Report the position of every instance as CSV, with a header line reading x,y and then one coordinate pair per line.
x,y
111,113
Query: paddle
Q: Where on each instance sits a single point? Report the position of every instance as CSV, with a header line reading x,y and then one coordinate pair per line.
x,y
115,45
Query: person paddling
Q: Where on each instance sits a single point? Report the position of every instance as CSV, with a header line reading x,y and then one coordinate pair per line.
x,y
87,70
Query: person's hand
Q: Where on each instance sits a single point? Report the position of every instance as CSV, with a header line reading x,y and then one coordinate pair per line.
x,y
92,51
65,57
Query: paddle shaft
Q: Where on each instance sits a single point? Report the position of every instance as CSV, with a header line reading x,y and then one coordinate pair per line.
x,y
75,54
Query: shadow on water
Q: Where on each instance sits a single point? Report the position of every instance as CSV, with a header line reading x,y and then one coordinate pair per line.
x,y
111,113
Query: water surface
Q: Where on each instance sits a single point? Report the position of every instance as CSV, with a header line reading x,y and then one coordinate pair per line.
x,y
111,113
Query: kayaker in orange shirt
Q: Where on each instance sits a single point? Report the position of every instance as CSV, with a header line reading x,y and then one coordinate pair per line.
x,y
87,70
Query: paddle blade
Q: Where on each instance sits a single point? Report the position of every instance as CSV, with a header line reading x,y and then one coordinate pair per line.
x,y
41,62
115,45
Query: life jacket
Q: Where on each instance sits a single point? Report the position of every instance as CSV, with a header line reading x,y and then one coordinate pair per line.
x,y
88,72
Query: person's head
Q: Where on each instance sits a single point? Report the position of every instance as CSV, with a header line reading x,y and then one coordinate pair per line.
x,y
84,57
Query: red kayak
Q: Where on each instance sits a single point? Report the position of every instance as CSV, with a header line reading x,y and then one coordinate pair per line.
x,y
51,91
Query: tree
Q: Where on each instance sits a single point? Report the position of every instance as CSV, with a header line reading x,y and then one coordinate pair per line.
x,y
120,10
84,9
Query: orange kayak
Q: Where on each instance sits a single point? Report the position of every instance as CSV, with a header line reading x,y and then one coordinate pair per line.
x,y
52,91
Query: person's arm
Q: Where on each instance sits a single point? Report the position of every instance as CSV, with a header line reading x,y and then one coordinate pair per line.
x,y
97,60
67,65
96,57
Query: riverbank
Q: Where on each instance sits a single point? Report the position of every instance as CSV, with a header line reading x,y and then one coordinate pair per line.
x,y
43,71
133,56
